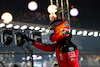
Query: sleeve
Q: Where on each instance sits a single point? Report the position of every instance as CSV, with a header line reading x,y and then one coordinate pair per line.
x,y
44,47
72,56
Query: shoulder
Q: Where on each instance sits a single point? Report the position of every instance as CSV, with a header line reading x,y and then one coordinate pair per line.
x,y
70,47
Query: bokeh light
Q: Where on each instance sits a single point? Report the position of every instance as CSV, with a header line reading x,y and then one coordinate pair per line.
x,y
53,15
52,9
74,12
7,17
32,6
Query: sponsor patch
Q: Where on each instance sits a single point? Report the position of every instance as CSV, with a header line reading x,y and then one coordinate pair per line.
x,y
71,48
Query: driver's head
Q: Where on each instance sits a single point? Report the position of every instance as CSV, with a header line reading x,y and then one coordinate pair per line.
x,y
60,29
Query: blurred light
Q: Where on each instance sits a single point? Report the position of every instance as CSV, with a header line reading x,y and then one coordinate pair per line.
x,y
44,64
23,27
34,56
90,33
2,25
16,27
28,57
99,34
52,15
22,64
30,31
73,32
51,31
81,58
32,6
54,55
43,33
12,55
9,26
40,57
1,58
72,6
31,27
52,8
37,28
95,34
10,64
74,12
42,29
47,30
79,33
49,55
85,33
7,17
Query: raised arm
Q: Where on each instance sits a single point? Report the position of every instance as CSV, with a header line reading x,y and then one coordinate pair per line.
x,y
44,47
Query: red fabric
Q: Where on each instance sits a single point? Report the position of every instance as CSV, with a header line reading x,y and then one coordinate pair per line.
x,y
44,47
67,59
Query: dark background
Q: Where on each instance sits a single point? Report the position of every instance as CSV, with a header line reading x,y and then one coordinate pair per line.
x,y
88,17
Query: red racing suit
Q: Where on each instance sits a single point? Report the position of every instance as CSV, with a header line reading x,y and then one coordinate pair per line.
x,y
67,55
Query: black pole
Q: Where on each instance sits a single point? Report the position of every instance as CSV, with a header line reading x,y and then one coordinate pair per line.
x,y
32,58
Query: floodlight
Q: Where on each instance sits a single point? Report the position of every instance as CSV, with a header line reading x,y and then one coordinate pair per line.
x,y
16,27
9,25
85,33
2,25
74,12
79,33
90,33
23,27
37,28
32,5
31,27
7,17
43,29
34,56
73,32
52,9
95,34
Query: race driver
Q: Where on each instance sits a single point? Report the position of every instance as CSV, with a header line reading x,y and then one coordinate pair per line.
x,y
66,51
